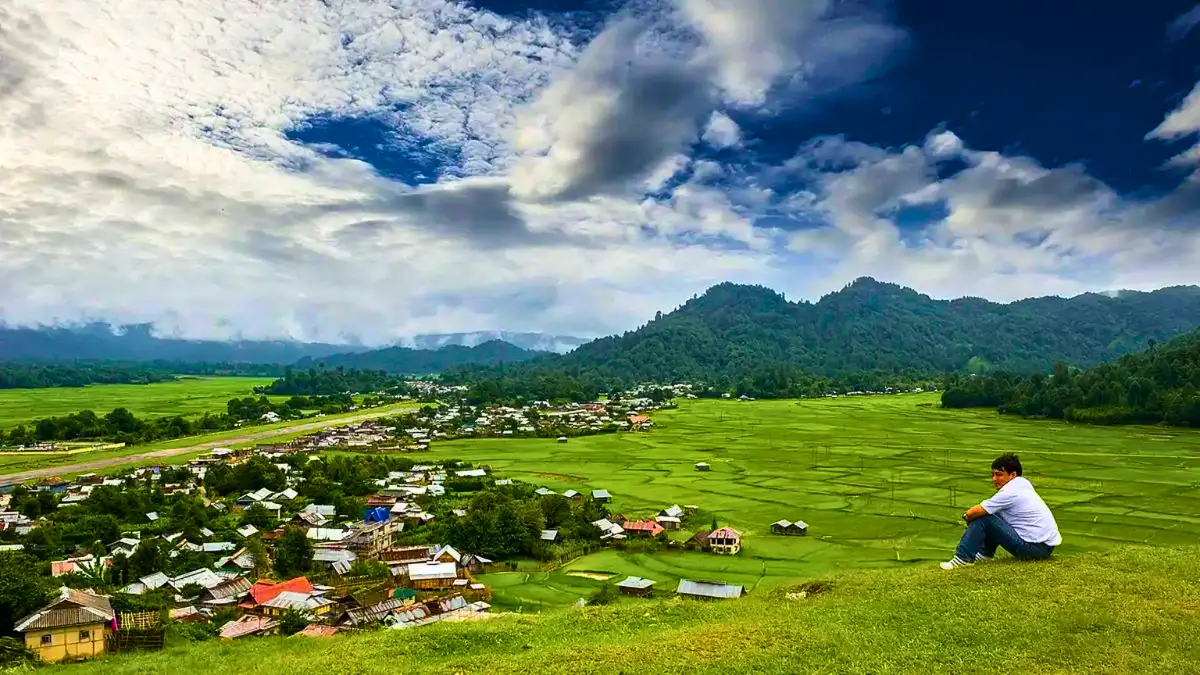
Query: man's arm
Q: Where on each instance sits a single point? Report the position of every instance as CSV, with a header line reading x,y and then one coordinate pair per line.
x,y
974,512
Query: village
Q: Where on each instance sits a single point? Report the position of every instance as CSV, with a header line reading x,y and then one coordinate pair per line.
x,y
277,559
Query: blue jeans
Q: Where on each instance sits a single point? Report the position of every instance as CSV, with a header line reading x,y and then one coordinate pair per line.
x,y
985,534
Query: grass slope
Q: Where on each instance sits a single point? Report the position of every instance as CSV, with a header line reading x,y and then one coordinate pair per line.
x,y
1130,610
881,481
186,396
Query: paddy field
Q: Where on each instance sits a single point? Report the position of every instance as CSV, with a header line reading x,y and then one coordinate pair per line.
x,y
881,482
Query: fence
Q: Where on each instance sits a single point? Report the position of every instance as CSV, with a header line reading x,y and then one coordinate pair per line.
x,y
150,639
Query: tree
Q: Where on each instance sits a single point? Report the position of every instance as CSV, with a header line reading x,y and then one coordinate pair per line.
x,y
122,570
148,558
258,516
292,622
293,554
22,589
258,551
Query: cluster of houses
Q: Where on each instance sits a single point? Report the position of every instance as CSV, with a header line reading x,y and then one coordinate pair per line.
x,y
428,584
539,418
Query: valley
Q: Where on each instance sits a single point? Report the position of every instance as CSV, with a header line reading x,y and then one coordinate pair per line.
x,y
881,481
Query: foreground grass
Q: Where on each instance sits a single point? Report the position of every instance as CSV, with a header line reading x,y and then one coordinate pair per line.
x,y
186,396
1128,610
881,481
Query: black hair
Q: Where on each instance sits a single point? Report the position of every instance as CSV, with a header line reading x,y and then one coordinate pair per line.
x,y
1008,463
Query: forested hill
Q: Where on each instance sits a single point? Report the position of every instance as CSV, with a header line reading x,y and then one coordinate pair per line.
x,y
732,330
422,361
101,341
1161,384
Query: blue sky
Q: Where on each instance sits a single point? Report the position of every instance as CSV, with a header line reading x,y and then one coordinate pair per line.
x,y
351,169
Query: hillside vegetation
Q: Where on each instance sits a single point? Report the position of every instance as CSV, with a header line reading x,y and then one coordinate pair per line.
x,y
1133,610
1161,384
736,334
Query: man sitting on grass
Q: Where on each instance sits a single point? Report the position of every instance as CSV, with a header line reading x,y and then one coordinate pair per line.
x,y
1015,518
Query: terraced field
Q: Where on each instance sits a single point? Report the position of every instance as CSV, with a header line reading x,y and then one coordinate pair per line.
x,y
880,481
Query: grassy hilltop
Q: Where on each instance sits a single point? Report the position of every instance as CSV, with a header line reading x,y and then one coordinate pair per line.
x,y
1130,610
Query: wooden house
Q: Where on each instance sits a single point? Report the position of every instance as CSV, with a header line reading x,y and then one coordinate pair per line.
x,y
796,529
72,627
601,496
725,541
636,586
432,575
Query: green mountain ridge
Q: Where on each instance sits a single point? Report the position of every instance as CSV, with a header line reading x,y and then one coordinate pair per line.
x,y
732,330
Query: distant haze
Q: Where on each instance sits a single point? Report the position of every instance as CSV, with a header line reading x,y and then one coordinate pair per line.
x,y
541,342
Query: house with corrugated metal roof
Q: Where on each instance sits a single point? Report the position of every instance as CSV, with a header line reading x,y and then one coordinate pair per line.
x,y
72,627
636,586
432,575
796,529
709,590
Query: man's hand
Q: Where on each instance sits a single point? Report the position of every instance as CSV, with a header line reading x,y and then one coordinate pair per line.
x,y
974,512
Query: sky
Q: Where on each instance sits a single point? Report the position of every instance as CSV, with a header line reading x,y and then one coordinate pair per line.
x,y
361,170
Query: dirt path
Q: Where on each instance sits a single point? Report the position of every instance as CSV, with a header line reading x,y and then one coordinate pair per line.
x,y
63,469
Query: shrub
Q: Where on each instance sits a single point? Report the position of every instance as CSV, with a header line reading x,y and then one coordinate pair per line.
x,y
605,595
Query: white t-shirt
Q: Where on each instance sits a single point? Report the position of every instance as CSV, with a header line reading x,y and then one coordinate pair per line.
x,y
1019,505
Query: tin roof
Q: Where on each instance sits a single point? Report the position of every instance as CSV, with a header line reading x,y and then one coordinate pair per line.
x,y
72,608
636,582
708,589
426,571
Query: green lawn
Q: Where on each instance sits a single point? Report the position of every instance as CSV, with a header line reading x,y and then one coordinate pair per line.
x,y
881,482
1130,610
185,396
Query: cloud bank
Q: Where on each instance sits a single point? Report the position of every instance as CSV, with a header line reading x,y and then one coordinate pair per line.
x,y
153,171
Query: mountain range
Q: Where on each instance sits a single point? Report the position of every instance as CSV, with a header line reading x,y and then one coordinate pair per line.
x,y
733,330
730,330
102,341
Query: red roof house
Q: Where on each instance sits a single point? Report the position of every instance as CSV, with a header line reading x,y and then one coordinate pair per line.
x,y
265,590
647,527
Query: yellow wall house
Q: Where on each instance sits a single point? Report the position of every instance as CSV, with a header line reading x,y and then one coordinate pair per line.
x,y
72,627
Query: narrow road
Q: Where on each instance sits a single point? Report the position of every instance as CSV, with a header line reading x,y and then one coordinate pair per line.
x,y
62,469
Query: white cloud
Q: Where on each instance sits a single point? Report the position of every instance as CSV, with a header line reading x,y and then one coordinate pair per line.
x,y
1183,24
755,45
148,175
1181,123
1011,228
722,132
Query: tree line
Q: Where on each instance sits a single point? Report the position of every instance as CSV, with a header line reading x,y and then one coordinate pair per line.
x,y
325,382
85,373
1159,385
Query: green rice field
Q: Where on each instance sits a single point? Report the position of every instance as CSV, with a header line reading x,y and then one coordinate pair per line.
x,y
185,396
881,482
